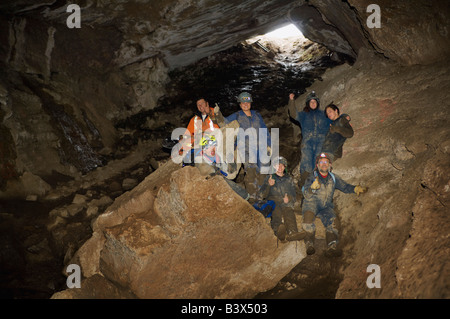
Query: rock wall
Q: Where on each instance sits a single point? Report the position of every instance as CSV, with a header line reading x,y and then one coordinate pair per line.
x,y
116,65
411,33
400,151
62,92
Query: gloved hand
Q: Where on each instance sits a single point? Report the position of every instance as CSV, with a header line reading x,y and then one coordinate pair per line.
x,y
315,185
216,109
271,181
360,190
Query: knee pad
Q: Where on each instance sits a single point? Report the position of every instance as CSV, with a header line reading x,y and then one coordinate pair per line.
x,y
309,228
309,217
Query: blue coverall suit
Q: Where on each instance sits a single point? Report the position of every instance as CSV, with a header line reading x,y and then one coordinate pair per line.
x,y
250,146
320,203
249,152
315,126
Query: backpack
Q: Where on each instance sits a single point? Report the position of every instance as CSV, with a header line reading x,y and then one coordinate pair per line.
x,y
265,207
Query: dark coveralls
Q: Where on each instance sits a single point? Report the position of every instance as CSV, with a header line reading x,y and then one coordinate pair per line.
x,y
340,130
283,185
315,126
248,146
320,203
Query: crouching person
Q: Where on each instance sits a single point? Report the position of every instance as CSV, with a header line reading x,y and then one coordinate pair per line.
x,y
318,194
208,162
279,187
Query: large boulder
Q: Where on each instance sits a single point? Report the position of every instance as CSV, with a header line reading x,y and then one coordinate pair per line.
x,y
179,234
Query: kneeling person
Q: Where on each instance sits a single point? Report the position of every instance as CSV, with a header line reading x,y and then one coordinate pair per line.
x,y
318,194
209,163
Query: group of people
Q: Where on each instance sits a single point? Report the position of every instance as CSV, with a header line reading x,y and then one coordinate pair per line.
x,y
323,135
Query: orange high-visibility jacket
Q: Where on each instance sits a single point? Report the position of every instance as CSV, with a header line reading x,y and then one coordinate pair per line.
x,y
196,124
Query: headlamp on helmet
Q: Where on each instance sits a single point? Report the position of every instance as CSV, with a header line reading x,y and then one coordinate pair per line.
x,y
208,141
244,97
323,156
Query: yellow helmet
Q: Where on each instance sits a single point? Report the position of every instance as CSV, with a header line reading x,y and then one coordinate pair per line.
x,y
207,141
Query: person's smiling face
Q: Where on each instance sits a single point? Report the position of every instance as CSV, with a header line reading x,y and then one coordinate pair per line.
x,y
323,166
245,106
203,106
332,114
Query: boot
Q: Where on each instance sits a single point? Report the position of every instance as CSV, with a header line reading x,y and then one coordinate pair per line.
x,y
291,225
309,243
332,248
251,181
293,236
310,229
281,233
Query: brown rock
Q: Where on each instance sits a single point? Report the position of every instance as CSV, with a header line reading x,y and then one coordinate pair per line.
x,y
201,241
94,287
196,239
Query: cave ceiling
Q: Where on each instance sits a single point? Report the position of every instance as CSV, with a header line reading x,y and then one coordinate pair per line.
x,y
182,32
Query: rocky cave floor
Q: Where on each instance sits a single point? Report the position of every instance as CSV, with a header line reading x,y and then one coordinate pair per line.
x,y
39,236
35,257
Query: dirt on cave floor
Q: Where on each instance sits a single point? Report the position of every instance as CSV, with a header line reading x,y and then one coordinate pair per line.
x,y
315,277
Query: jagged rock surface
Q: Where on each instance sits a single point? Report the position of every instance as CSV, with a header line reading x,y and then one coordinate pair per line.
x,y
62,88
190,237
401,153
78,83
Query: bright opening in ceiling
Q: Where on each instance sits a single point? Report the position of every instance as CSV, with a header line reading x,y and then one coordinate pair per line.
x,y
286,43
285,32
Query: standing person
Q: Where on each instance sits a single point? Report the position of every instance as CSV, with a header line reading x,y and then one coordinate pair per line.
x,y
279,187
314,127
248,143
340,130
203,121
318,194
